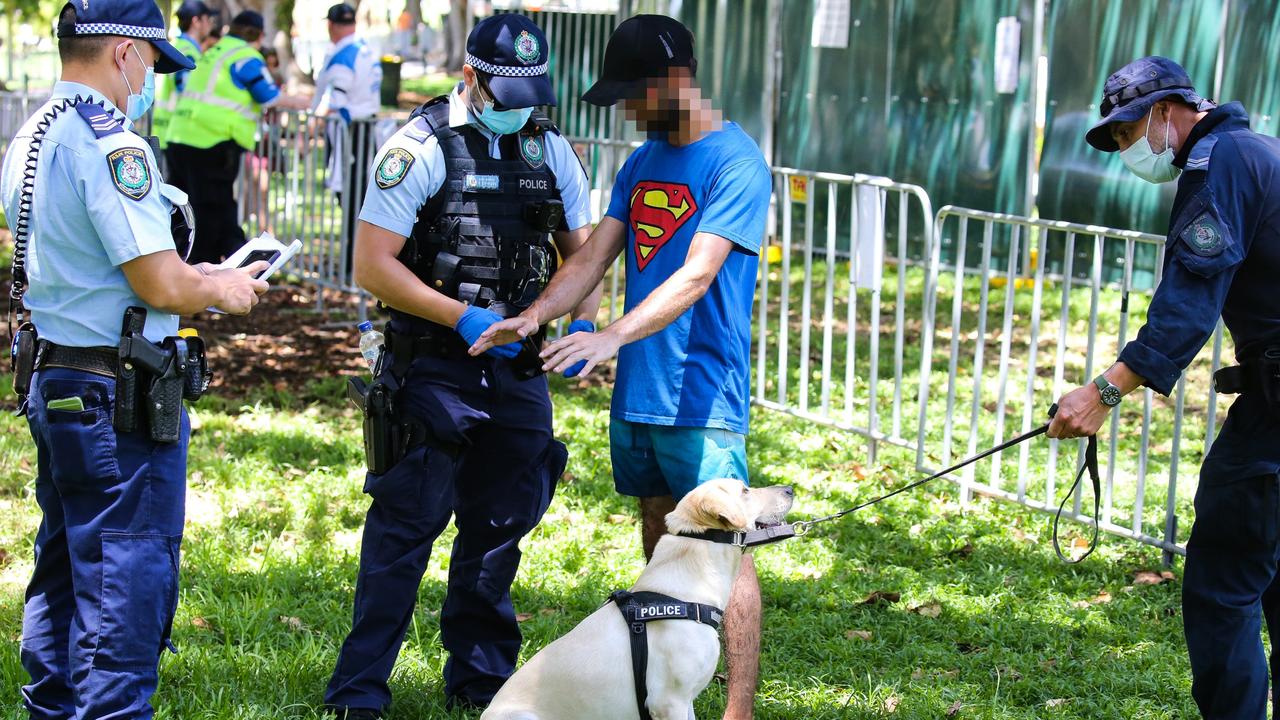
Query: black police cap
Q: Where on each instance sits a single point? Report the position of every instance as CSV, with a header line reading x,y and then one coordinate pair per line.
x,y
342,14
642,47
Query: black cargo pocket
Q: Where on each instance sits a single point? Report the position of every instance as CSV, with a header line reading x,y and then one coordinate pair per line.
x,y
82,443
400,488
139,598
1237,515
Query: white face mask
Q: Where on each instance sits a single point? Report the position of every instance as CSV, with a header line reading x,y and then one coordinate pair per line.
x,y
1145,163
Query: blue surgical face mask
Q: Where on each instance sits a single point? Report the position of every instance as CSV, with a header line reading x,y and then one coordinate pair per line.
x,y
1143,161
502,122
139,103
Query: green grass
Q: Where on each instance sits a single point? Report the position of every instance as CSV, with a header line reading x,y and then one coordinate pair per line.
x,y
270,558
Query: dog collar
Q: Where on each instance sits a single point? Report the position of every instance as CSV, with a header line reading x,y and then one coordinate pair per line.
x,y
747,539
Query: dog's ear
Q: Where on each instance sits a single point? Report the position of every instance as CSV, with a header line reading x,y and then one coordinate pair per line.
x,y
720,509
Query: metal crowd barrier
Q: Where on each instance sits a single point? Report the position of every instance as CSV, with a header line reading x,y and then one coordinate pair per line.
x,y
1015,333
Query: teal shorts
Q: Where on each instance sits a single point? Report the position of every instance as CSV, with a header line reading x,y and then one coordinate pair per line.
x,y
659,460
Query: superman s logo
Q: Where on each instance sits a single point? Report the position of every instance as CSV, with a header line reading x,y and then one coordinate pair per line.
x,y
657,212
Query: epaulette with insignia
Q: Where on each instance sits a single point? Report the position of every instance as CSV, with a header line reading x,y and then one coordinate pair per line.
x,y
418,129
1198,158
99,120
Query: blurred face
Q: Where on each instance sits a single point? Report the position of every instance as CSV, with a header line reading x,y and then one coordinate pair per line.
x,y
273,62
200,27
663,103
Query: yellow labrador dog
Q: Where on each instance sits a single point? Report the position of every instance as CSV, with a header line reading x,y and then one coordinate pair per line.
x,y
587,674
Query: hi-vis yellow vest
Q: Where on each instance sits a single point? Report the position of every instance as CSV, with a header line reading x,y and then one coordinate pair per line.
x,y
212,109
167,94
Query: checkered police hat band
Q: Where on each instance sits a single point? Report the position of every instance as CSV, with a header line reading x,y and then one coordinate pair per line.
x,y
506,71
134,31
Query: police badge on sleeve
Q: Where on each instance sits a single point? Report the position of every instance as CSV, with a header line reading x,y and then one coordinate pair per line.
x,y
534,151
393,168
1204,237
129,172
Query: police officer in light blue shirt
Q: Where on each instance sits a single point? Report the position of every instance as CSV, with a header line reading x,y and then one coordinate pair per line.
x,y
92,229
470,203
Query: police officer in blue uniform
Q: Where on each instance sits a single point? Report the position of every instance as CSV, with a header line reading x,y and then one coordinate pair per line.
x,y
456,234
92,226
1222,259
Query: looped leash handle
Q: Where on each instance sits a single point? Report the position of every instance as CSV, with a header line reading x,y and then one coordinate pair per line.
x,y
1090,466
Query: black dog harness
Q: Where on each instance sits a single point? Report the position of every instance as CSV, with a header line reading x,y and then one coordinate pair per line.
x,y
641,608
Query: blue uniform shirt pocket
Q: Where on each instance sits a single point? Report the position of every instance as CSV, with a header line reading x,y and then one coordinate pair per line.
x,y
1201,240
82,443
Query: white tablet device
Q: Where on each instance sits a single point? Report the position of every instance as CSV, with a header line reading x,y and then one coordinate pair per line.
x,y
264,247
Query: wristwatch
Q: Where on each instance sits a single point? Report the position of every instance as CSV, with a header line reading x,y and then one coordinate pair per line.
x,y
1110,393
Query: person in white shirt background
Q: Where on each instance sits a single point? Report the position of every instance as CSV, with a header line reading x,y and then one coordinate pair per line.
x,y
349,88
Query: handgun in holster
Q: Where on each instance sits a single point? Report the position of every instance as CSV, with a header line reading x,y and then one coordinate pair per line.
x,y
388,434
151,377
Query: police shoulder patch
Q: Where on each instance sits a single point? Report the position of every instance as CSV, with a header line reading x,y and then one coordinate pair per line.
x,y
533,149
129,172
393,168
1204,236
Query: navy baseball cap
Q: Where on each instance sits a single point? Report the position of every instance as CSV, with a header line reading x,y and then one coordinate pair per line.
x,y
193,9
126,18
249,18
342,13
1131,91
642,47
513,52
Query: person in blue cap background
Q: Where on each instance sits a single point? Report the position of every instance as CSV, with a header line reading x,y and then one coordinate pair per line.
x,y
100,604
456,234
1222,258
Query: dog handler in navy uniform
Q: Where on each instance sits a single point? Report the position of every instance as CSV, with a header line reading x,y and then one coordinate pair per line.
x,y
92,227
454,236
1222,258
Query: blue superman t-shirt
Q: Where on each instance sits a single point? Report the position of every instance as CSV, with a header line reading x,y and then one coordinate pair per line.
x,y
695,372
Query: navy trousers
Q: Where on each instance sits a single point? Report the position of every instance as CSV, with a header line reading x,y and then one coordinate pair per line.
x,y
497,487
100,605
1230,586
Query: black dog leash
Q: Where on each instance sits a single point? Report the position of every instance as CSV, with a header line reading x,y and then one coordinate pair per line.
x,y
766,536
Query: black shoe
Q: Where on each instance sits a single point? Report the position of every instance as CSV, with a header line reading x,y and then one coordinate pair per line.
x,y
347,713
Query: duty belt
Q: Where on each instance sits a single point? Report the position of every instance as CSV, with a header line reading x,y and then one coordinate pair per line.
x,y
1257,376
438,342
96,360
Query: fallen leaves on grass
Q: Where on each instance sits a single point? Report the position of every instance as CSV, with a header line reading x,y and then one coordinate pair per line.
x,y
962,552
858,635
920,674
881,597
524,617
931,609
618,519
1101,598
201,623
5,557
954,709
1151,577
1056,702
548,612
891,703
293,623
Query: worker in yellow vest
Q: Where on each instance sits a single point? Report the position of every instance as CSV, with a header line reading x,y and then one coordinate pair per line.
x,y
215,122
195,20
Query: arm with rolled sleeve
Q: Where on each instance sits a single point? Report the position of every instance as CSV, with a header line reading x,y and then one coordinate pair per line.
x,y
1186,306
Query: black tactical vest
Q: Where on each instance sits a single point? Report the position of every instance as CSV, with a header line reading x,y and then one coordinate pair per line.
x,y
484,237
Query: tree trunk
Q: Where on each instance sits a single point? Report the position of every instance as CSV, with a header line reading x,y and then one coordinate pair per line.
x,y
456,29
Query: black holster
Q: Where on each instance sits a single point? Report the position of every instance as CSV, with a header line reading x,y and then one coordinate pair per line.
x,y
23,357
388,432
156,378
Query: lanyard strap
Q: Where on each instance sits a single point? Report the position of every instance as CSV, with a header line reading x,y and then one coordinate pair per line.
x,y
1091,466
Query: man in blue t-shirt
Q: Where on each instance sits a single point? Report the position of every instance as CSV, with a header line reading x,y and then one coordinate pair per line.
x,y
689,209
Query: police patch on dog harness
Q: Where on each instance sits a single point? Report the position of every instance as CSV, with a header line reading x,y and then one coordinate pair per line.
x,y
533,151
129,172
641,608
393,168
1204,236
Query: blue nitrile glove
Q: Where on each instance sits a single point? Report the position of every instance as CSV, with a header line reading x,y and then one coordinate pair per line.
x,y
475,321
578,326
